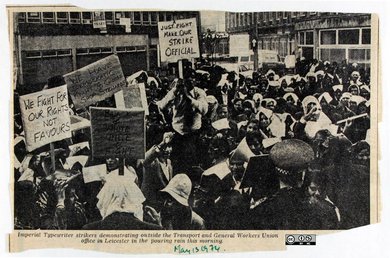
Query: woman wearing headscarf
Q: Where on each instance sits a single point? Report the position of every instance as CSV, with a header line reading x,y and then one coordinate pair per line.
x,y
269,103
257,99
292,105
354,89
325,101
342,111
365,92
281,121
120,205
356,130
313,119
355,79
264,118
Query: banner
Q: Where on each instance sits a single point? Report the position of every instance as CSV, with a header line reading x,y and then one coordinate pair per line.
x,y
96,81
45,116
118,133
178,40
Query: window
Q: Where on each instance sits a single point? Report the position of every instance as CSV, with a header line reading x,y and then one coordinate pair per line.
x,y
130,49
137,18
81,51
153,17
301,38
48,17
140,48
62,17
145,18
118,16
334,54
359,55
49,53
309,38
120,49
106,50
366,36
161,17
74,17
94,51
169,17
33,54
33,17
64,52
349,37
109,16
328,37
86,17
21,17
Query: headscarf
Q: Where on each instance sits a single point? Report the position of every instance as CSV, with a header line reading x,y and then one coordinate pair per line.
x,y
357,99
269,100
346,95
355,73
365,87
354,86
325,96
257,96
293,95
120,194
311,74
132,79
323,121
320,72
267,112
337,87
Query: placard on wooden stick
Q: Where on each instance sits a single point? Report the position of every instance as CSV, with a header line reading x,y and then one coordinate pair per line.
x,y
45,116
118,133
96,81
178,40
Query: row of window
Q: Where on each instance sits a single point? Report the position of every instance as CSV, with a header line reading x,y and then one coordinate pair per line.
x,y
84,51
359,36
246,19
137,18
48,53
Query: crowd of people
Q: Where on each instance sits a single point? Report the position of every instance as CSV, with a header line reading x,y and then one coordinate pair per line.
x,y
284,149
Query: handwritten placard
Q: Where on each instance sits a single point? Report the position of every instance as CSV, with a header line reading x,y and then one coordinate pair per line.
x,y
178,40
118,133
96,81
94,173
45,116
131,97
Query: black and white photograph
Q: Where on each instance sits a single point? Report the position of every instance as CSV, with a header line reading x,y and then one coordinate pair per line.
x,y
192,120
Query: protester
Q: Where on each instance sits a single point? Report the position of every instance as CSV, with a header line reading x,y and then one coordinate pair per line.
x,y
310,128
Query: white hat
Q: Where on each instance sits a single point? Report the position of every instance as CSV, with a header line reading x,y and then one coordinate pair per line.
x,y
179,188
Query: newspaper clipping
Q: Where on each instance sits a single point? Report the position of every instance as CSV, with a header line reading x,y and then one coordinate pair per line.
x,y
173,132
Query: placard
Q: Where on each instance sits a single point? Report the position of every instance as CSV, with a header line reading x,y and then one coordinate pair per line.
x,y
96,81
45,116
178,40
131,97
118,133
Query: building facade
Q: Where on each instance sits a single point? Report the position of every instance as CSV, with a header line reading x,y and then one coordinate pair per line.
x,y
324,36
55,43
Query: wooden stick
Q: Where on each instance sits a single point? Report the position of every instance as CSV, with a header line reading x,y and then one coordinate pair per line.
x,y
53,157
180,67
121,169
351,118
